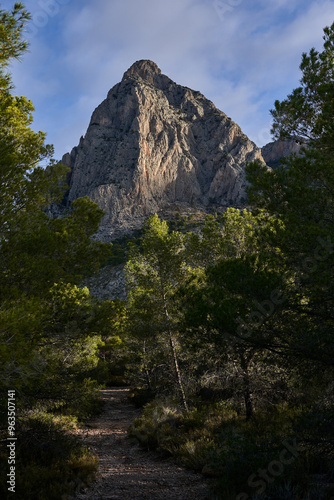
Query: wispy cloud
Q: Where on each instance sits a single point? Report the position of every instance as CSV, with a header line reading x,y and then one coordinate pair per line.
x,y
242,61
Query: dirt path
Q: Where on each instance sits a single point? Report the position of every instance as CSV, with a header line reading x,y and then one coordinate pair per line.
x,y
126,472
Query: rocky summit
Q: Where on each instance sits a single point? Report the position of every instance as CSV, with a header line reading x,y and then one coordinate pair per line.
x,y
152,144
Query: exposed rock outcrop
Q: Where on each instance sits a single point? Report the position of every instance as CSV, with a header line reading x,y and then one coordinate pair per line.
x,y
274,151
151,144
108,283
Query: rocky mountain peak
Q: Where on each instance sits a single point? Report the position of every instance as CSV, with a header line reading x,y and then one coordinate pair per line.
x,y
144,69
152,145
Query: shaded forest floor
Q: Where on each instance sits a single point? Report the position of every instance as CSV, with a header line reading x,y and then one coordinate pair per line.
x,y
126,471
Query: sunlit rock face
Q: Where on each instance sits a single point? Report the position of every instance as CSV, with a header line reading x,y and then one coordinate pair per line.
x,y
151,144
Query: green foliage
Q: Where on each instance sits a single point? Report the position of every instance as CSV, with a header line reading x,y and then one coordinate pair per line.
x,y
12,46
50,461
214,440
23,186
114,354
160,266
40,251
46,341
41,257
120,246
12,24
153,274
302,195
307,113
50,330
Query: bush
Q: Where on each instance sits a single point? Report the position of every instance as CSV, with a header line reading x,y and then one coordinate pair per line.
x,y
215,440
50,462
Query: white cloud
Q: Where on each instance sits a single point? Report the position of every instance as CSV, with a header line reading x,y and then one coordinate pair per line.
x,y
242,61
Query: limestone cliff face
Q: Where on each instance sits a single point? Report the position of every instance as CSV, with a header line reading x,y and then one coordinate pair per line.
x,y
151,144
275,151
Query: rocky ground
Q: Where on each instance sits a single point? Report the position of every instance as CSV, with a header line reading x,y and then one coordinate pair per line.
x,y
126,471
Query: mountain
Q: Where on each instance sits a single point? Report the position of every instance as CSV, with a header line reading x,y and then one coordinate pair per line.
x,y
273,152
153,144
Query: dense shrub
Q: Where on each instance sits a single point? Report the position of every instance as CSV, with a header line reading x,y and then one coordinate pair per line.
x,y
51,462
232,452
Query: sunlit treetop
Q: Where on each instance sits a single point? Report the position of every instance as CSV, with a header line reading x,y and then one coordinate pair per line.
x,y
306,114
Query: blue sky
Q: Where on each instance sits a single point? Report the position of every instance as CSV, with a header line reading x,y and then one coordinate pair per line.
x,y
241,54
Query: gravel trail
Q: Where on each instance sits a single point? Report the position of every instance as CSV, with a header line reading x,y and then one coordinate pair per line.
x,y
127,472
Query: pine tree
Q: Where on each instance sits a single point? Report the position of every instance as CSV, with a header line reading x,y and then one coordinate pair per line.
x,y
153,276
300,193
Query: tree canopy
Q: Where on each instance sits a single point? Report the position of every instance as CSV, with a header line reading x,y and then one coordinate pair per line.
x,y
300,193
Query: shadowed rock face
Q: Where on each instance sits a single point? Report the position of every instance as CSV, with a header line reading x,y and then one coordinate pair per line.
x,y
151,144
275,151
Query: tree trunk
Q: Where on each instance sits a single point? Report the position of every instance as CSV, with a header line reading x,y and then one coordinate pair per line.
x,y
147,373
247,390
174,355
177,371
